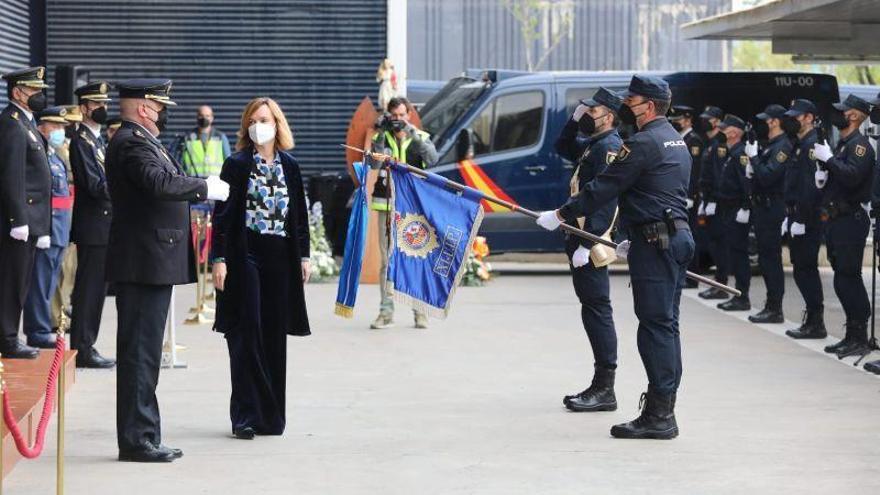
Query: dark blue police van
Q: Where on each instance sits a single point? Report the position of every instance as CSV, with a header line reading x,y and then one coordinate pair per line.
x,y
510,121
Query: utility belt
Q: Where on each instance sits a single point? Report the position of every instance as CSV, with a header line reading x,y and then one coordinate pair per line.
x,y
765,199
659,233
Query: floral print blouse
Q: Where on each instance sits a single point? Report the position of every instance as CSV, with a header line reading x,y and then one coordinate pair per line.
x,y
267,197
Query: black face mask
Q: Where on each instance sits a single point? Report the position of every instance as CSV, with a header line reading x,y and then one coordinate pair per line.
x,y
875,115
587,126
203,122
37,102
838,119
99,115
626,114
791,126
162,121
677,125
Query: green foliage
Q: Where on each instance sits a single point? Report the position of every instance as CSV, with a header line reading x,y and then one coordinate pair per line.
x,y
758,55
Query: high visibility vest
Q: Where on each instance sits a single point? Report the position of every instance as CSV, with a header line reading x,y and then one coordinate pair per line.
x,y
398,152
203,158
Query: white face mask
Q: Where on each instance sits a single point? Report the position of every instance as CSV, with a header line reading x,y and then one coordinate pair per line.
x,y
261,133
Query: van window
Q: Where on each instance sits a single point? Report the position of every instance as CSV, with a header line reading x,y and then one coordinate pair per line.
x,y
509,122
573,96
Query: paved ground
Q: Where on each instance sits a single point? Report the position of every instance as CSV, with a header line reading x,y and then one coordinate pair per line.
x,y
472,405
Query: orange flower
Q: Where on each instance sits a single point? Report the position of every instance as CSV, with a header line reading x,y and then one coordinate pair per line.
x,y
481,247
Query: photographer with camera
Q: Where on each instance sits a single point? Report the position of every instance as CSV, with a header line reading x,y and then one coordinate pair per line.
x,y
395,136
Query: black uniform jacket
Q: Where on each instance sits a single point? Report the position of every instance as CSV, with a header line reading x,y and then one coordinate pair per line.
x,y
25,176
92,211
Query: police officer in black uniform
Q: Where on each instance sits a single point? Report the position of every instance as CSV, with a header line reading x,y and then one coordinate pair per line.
x,y
845,176
767,175
650,179
92,213
25,201
734,204
803,222
150,250
595,118
711,163
682,118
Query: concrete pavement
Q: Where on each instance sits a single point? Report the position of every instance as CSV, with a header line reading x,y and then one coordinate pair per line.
x,y
473,405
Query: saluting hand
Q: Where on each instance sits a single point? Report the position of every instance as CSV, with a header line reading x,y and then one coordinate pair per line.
x,y
219,271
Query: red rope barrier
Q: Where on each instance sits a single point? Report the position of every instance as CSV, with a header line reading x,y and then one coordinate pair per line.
x,y
48,405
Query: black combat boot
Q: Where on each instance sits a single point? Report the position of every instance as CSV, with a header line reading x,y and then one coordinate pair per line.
x,y
657,420
812,328
772,313
833,348
856,343
873,367
739,303
599,397
713,293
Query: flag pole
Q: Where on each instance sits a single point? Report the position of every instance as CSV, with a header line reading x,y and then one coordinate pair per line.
x,y
533,214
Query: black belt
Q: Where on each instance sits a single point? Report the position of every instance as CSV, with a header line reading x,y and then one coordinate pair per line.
x,y
659,232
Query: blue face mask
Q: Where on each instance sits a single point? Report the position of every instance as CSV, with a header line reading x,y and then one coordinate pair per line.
x,y
56,138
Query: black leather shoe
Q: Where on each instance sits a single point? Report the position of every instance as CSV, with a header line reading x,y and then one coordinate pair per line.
x,y
149,453
736,304
599,397
44,341
771,313
17,350
657,420
855,343
177,453
713,293
90,358
246,433
812,328
844,342
873,367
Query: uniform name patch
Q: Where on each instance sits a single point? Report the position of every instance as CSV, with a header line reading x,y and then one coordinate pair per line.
x,y
674,143
860,150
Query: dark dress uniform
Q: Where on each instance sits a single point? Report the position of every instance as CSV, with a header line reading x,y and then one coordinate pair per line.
x,y
591,284
149,251
768,212
711,164
263,300
803,202
734,194
25,200
92,215
650,179
850,174
37,315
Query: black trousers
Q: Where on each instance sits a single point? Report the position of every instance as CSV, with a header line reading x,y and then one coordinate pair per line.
x,y
89,292
845,240
16,264
142,312
717,247
804,251
258,345
592,287
768,223
736,237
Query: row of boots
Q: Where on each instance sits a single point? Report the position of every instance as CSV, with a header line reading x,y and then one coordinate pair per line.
x,y
657,418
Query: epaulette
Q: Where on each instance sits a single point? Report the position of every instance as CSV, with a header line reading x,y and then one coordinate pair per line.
x,y
14,115
138,133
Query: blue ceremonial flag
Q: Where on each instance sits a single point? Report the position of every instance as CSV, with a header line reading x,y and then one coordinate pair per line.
x,y
432,231
349,277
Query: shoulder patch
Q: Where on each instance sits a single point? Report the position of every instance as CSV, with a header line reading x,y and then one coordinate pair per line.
x,y
622,154
860,150
695,150
781,157
812,155
744,160
722,152
609,157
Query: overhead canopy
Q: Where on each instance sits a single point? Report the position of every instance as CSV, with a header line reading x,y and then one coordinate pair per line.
x,y
826,30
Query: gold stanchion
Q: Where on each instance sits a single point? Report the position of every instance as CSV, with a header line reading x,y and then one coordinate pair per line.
x,y
198,312
64,324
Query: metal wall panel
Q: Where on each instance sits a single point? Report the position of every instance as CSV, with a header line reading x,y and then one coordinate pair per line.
x,y
15,45
318,59
448,36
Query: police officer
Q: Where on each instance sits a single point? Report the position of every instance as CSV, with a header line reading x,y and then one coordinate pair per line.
x,y
712,160
37,315
92,214
595,118
150,250
25,201
682,118
803,222
113,125
845,177
734,204
650,177
397,137
874,366
767,175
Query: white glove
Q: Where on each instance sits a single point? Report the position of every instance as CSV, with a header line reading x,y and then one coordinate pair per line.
x,y
622,249
580,257
701,211
579,112
784,229
20,233
750,170
710,209
549,220
742,216
218,190
688,203
43,242
822,151
821,177
798,229
752,149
